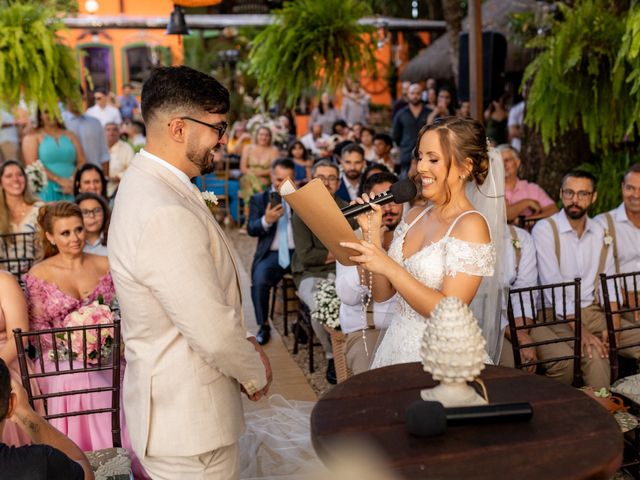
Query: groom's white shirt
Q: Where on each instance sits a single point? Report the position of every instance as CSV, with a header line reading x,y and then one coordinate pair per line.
x,y
176,171
182,324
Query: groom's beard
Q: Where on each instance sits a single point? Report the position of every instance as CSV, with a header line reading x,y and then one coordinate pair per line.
x,y
203,158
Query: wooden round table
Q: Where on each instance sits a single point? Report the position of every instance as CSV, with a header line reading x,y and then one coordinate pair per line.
x,y
569,437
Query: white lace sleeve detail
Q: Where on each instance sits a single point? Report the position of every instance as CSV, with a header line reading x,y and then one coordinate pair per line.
x,y
470,258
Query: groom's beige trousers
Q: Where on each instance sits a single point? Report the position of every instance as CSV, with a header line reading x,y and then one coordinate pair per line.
x,y
222,464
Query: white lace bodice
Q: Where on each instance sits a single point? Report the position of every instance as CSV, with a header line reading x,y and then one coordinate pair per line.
x,y
430,265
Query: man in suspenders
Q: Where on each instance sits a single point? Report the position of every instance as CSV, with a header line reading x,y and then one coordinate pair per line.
x,y
623,225
569,245
521,270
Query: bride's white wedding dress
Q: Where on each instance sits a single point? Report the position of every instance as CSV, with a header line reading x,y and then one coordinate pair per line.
x,y
448,256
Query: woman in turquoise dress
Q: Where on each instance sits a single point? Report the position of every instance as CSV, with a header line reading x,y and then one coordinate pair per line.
x,y
60,153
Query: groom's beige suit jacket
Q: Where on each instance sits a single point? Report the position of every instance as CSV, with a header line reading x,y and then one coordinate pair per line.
x,y
182,325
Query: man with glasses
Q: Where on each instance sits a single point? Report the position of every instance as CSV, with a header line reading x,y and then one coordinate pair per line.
x,y
312,261
187,351
569,245
102,110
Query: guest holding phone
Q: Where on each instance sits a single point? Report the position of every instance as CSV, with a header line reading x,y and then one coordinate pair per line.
x,y
270,221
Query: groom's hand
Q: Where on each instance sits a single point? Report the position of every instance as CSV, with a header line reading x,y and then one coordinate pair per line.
x,y
267,368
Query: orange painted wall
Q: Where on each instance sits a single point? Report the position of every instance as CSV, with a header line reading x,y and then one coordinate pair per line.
x,y
117,39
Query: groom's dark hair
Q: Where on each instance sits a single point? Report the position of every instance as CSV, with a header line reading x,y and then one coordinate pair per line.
x,y
5,389
184,91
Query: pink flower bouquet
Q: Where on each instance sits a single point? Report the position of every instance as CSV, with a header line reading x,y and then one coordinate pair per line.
x,y
92,314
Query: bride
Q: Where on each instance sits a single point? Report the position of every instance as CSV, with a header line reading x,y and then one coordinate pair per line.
x,y
443,249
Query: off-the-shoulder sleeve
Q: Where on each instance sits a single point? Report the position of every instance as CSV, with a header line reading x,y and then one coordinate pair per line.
x,y
470,258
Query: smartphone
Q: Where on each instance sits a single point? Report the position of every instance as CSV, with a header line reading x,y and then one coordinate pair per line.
x,y
276,199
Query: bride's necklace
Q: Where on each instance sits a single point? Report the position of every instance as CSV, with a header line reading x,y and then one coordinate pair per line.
x,y
365,295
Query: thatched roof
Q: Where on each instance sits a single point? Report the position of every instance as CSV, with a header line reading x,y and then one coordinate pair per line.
x,y
434,61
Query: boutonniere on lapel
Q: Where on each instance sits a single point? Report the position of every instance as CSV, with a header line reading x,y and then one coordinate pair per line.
x,y
608,239
209,198
517,244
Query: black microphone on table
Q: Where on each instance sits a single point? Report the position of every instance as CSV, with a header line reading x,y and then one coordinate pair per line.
x,y
426,419
400,192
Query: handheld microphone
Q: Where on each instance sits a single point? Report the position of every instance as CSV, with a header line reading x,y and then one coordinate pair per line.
x,y
399,192
426,419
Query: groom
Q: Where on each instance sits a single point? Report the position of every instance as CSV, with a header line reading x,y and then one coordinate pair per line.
x,y
188,356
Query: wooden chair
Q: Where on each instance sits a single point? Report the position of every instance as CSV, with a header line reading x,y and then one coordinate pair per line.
x,y
626,295
304,324
18,267
288,299
114,460
17,245
533,299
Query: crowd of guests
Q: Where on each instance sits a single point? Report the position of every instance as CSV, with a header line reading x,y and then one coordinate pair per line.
x,y
86,155
59,265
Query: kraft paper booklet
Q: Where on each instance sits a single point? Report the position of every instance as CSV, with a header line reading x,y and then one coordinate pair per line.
x,y
318,210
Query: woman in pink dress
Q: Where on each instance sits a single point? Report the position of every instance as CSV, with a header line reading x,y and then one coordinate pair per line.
x,y
13,314
65,280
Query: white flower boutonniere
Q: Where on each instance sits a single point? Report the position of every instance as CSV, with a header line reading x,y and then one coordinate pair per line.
x,y
608,239
517,244
210,198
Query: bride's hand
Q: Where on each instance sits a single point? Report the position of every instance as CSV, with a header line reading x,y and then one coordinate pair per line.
x,y
371,257
371,219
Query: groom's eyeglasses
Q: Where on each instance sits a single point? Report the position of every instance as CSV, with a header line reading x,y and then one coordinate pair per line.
x,y
220,127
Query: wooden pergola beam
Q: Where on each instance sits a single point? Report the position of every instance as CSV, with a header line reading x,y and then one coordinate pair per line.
x,y
206,22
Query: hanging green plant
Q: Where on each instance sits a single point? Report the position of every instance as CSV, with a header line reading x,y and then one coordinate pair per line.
x,y
311,43
572,86
34,63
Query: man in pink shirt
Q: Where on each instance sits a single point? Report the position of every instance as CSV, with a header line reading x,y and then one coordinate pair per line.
x,y
523,198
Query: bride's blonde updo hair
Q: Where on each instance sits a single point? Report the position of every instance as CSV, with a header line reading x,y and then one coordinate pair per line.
x,y
461,138
47,215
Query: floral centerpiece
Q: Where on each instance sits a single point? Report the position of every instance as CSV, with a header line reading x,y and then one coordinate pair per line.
x,y
36,176
327,311
71,345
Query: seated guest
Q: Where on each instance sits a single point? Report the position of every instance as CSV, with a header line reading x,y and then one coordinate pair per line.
x,y
121,156
13,314
523,198
95,217
90,178
382,145
135,132
623,225
52,454
371,170
270,221
18,208
352,164
570,245
65,280
362,334
340,131
302,162
366,142
316,142
312,262
520,271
